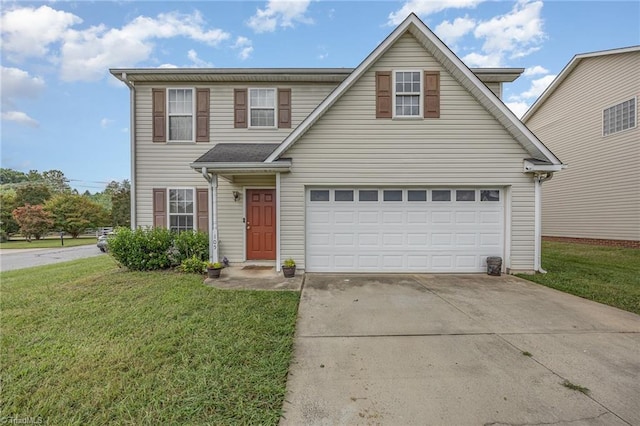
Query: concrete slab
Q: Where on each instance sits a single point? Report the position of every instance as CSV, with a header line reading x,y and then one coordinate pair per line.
x,y
448,349
238,278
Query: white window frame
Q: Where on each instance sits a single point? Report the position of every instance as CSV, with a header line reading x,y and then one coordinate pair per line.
x,y
251,108
193,121
195,207
635,117
420,95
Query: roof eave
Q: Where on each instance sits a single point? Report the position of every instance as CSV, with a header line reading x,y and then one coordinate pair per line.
x,y
531,167
238,168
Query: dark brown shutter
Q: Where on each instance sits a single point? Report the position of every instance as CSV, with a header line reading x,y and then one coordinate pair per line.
x,y
202,115
159,115
203,209
383,94
160,207
240,108
284,108
431,94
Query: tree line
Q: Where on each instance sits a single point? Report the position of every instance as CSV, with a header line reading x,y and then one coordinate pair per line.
x,y
35,204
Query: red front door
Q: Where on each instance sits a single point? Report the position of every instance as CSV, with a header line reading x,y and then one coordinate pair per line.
x,y
261,224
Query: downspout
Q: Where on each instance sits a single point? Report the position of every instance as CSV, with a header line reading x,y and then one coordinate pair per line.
x,y
538,179
132,144
213,214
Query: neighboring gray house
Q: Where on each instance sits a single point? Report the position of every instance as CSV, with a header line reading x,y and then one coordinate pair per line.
x,y
589,117
407,163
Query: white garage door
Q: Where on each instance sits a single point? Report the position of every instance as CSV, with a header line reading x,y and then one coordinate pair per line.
x,y
403,230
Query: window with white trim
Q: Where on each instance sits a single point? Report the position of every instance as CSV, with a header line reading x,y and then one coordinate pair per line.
x,y
619,117
181,209
180,115
262,107
407,97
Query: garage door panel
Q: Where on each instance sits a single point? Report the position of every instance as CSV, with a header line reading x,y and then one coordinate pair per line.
x,y
416,236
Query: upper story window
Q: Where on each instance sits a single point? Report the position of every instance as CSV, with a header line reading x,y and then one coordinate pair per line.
x,y
619,117
262,107
407,93
180,115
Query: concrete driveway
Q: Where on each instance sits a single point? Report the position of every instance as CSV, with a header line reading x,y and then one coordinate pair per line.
x,y
459,350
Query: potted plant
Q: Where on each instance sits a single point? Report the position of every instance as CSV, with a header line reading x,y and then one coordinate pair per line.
x,y
289,268
213,269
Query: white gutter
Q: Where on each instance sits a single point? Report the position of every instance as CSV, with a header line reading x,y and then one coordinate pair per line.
x,y
279,166
213,214
530,166
538,178
132,143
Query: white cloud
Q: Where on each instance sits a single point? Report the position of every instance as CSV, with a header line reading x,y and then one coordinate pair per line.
x,y
85,54
518,108
281,13
516,32
245,47
482,61
20,118
167,66
105,122
427,7
17,83
197,62
28,32
535,70
450,32
538,86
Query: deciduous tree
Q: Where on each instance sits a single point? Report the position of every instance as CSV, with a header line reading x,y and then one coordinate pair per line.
x,y
8,224
73,213
33,193
34,221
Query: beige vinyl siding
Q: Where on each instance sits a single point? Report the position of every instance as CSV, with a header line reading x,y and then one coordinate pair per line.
x,y
162,165
496,88
466,147
598,195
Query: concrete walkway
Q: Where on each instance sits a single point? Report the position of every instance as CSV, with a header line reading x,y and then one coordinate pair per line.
x,y
459,350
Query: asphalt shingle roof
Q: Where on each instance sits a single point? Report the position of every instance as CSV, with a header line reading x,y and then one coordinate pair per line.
x,y
238,153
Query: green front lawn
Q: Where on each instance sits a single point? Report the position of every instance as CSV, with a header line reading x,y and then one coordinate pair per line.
x,y
604,274
86,343
49,242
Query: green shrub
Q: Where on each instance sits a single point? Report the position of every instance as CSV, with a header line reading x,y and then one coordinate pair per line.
x,y
193,265
188,244
142,249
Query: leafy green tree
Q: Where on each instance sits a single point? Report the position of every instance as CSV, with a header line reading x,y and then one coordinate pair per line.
x,y
8,224
56,181
121,205
11,176
33,193
74,213
34,221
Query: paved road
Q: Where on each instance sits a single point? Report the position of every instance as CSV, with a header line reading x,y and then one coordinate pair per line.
x,y
458,350
11,259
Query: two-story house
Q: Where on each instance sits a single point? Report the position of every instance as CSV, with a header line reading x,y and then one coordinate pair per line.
x,y
589,117
408,163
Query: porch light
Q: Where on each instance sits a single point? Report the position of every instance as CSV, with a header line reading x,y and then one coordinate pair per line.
x,y
236,195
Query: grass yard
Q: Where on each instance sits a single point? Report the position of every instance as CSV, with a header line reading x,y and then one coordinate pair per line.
x,y
605,274
49,242
86,343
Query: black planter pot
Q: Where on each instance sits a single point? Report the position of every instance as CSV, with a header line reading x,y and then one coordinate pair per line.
x,y
213,272
289,271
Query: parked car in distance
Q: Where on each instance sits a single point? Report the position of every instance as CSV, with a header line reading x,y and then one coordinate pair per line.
x,y
102,242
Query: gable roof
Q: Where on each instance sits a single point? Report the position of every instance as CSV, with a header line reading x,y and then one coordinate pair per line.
x,y
575,61
454,65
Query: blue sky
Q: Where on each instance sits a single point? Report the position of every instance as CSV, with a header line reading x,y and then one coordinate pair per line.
x,y
62,110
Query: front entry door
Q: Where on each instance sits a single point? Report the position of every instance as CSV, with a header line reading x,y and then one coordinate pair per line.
x,y
261,224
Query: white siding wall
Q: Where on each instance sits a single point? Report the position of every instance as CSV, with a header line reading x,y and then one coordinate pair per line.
x,y
598,195
161,165
465,147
